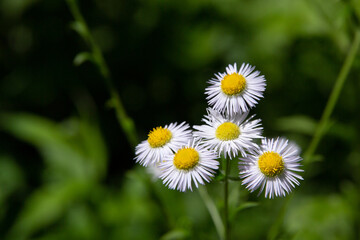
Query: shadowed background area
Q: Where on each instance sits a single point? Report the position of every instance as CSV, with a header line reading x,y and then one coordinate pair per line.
x,y
66,166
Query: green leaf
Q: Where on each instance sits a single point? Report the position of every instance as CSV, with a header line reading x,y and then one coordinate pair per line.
x,y
243,206
175,234
71,150
82,57
247,205
356,8
80,28
47,205
93,145
11,178
296,124
320,217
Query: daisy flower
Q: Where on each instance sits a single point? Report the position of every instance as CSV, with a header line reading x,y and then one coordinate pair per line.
x,y
272,167
162,141
190,164
228,135
235,91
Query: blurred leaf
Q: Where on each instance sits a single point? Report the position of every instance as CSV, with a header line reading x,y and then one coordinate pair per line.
x,y
11,180
82,57
81,223
354,165
63,160
320,217
247,205
93,144
297,124
182,44
175,234
14,8
130,207
346,132
243,206
80,28
335,14
356,6
45,206
75,150
11,177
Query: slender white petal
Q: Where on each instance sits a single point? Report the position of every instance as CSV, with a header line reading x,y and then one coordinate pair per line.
x,y
183,179
241,102
146,154
249,130
281,184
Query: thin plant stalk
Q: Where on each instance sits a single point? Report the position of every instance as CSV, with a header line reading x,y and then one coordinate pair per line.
x,y
97,58
213,211
274,230
125,122
226,199
324,121
169,221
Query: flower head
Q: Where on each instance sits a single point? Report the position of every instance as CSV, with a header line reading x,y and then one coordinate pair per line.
x,y
235,91
272,167
190,164
228,135
162,141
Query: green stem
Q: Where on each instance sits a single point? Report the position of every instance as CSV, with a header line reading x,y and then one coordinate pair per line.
x,y
320,130
226,200
155,196
344,72
125,122
210,205
274,230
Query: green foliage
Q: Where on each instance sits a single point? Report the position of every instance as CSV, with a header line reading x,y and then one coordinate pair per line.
x,y
66,170
319,217
298,124
72,150
11,179
75,159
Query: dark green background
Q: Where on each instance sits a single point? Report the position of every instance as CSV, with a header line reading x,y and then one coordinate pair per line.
x,y
66,168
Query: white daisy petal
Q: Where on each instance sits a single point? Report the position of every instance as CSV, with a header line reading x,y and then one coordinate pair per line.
x,y
154,171
271,167
235,91
191,164
229,135
162,142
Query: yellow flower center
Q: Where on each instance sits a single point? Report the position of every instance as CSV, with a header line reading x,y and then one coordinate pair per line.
x,y
233,84
227,131
186,158
271,164
159,136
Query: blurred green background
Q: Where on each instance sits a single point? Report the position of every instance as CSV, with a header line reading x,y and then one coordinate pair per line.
x,y
66,167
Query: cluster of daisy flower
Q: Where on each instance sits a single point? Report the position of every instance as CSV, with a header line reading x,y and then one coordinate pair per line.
x,y
183,158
